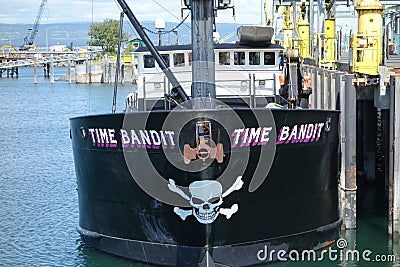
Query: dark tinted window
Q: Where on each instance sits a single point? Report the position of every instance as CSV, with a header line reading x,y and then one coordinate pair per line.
x,y
269,58
179,59
254,58
149,61
224,58
239,58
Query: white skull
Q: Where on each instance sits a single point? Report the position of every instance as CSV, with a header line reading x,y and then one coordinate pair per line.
x,y
206,197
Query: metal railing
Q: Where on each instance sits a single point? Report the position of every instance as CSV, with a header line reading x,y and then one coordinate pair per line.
x,y
40,60
243,85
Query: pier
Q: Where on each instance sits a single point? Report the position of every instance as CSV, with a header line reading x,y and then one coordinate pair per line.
x,y
84,61
360,106
362,81
10,62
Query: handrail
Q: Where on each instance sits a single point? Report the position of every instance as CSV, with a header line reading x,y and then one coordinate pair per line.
x,y
252,90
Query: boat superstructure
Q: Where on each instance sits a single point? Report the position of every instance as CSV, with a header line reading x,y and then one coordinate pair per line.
x,y
244,70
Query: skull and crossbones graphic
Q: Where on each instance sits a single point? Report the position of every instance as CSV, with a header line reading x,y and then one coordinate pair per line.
x,y
206,199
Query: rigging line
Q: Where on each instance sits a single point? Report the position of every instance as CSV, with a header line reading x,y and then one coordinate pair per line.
x,y
169,12
90,63
143,27
118,64
129,24
169,31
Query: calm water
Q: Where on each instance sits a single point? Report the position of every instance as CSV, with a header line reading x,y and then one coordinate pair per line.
x,y
38,197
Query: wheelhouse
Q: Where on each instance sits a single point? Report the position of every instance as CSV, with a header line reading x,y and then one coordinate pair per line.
x,y
244,71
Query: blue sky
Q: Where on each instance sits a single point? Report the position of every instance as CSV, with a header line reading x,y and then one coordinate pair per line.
x,y
24,11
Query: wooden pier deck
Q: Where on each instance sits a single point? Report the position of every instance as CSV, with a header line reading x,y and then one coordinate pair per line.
x,y
18,59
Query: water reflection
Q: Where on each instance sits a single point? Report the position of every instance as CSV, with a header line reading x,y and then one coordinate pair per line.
x,y
92,257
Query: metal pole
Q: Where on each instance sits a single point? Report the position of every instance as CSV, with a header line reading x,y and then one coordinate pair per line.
x,y
350,138
394,158
203,69
311,22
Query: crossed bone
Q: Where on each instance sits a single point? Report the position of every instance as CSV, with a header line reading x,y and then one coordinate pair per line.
x,y
227,212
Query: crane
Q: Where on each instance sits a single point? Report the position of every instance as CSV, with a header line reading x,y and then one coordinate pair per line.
x,y
31,35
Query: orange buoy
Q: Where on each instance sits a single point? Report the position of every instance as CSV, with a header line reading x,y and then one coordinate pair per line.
x,y
282,79
307,81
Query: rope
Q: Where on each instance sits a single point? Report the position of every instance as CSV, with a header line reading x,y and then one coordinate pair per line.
x,y
166,32
347,189
117,67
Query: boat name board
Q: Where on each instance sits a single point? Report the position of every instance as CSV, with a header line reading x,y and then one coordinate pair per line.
x,y
303,133
299,133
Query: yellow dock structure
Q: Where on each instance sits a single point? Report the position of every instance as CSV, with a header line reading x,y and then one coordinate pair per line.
x,y
303,27
328,41
367,43
287,29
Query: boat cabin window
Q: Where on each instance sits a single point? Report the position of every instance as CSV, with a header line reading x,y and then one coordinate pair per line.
x,y
148,61
254,58
269,58
224,58
239,58
190,59
179,59
166,58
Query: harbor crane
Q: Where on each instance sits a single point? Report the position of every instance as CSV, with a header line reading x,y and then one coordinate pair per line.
x,y
31,34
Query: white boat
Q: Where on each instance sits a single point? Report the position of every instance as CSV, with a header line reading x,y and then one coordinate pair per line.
x,y
89,74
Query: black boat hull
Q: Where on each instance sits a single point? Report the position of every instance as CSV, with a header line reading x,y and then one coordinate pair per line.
x,y
288,200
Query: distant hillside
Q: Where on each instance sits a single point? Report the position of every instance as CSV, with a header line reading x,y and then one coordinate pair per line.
x,y
76,33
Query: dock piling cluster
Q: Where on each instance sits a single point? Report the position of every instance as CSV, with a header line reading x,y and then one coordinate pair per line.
x,y
337,90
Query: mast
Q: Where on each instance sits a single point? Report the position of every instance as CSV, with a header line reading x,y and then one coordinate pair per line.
x,y
203,69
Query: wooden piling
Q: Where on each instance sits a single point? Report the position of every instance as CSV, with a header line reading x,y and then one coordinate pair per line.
x,y
105,77
51,69
46,70
133,72
326,90
336,86
35,70
348,185
394,158
322,89
87,71
122,73
109,73
69,70
314,83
